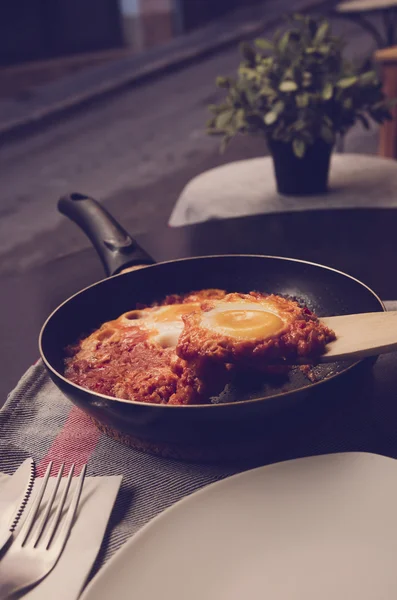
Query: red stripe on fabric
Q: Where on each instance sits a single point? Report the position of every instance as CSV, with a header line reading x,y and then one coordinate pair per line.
x,y
75,443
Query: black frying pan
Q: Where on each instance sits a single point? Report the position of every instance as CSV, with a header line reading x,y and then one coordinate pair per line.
x,y
234,422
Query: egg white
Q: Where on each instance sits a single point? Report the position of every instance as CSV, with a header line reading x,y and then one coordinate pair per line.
x,y
164,323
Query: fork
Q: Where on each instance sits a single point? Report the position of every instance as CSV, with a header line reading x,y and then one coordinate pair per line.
x,y
30,558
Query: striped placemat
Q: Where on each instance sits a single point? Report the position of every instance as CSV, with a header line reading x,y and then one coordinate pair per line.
x,y
38,421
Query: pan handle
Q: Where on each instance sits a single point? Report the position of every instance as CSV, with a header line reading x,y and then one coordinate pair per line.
x,y
116,249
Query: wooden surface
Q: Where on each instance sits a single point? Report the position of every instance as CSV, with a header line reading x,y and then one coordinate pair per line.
x,y
388,132
362,243
387,58
361,6
386,55
359,336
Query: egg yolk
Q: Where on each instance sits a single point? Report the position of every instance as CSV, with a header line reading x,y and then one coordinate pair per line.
x,y
173,312
247,324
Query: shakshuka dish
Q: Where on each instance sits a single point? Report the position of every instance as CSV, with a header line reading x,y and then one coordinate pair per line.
x,y
185,349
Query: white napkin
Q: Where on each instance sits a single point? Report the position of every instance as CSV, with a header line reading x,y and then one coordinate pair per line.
x,y
67,579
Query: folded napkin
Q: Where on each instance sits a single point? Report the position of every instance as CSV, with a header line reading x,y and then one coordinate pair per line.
x,y
67,579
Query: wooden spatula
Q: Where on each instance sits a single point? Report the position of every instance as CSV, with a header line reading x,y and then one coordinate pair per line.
x,y
358,336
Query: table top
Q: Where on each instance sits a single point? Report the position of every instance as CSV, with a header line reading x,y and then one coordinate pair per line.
x,y
361,242
356,6
248,187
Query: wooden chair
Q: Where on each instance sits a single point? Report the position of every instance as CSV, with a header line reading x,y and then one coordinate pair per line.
x,y
387,58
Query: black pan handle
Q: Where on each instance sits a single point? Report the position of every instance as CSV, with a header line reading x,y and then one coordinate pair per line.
x,y
116,249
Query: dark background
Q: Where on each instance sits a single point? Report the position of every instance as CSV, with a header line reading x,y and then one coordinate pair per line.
x,y
37,29
40,29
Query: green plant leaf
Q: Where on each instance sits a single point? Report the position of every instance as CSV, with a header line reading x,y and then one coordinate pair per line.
x,y
240,119
324,49
267,62
347,82
299,148
266,90
276,37
307,137
251,96
299,17
299,125
322,32
363,119
223,119
327,134
380,115
327,91
224,143
307,79
248,52
377,118
278,107
212,131
264,44
368,78
223,82
288,86
248,73
302,100
283,43
270,117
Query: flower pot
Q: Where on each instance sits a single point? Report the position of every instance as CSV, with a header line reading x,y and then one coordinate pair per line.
x,y
301,176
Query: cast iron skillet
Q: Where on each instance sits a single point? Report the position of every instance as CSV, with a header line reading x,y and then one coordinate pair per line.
x,y
231,423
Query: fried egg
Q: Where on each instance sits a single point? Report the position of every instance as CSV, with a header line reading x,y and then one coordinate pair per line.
x,y
246,320
251,330
163,324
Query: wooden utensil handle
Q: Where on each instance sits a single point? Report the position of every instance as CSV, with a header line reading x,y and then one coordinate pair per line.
x,y
361,335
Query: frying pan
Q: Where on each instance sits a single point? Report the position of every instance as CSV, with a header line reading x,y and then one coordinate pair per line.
x,y
236,422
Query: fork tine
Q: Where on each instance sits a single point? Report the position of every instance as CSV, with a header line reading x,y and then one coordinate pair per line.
x,y
58,513
67,524
44,518
28,564
27,526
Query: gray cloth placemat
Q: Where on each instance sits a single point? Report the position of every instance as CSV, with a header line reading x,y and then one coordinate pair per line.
x,y
38,421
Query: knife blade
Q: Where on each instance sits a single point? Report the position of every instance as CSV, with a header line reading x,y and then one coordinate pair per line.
x,y
14,494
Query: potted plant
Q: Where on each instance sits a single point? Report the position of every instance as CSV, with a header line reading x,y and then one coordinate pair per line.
x,y
299,93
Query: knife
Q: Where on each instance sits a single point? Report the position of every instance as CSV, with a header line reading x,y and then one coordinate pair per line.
x,y
14,494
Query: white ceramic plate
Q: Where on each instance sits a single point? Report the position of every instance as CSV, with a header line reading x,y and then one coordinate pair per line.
x,y
309,529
